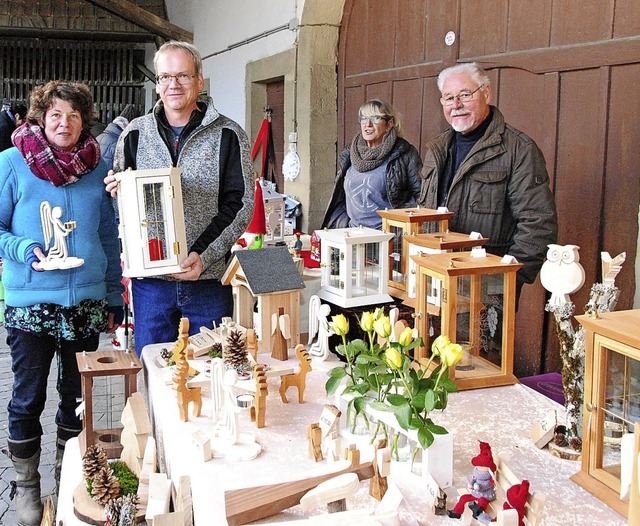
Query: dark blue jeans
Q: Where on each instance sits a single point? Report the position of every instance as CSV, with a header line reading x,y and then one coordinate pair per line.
x,y
31,357
159,304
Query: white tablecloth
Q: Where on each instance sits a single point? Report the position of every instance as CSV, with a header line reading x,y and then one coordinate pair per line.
x,y
502,416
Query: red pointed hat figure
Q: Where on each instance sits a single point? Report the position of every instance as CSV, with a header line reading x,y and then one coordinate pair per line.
x,y
252,237
481,486
516,499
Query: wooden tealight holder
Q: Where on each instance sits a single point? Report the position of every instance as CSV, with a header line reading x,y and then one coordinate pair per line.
x,y
475,300
403,222
104,363
434,243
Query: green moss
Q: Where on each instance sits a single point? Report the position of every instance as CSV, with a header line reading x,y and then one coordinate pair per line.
x,y
127,478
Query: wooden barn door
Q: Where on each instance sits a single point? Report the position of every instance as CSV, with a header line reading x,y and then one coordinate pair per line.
x,y
565,73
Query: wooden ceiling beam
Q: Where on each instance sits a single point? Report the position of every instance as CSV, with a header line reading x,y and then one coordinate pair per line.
x,y
141,17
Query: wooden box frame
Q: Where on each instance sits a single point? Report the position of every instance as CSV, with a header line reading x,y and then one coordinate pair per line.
x,y
142,254
434,243
402,222
449,268
609,333
104,363
349,245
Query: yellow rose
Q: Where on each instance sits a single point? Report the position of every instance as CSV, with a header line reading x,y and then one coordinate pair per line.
x,y
451,354
382,326
406,337
378,313
393,357
340,325
439,343
366,321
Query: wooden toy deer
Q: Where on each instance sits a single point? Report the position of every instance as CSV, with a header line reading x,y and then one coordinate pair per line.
x,y
298,379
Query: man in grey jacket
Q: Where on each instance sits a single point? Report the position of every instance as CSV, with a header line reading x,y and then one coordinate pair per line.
x,y
217,192
491,175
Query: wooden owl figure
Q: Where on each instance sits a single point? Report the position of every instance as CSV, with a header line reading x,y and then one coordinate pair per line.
x,y
561,273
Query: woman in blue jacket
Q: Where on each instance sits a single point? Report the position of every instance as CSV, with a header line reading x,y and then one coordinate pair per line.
x,y
54,312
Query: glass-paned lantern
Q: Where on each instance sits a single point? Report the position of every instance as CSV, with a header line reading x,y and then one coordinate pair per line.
x,y
151,221
354,264
402,222
435,243
274,212
611,401
472,301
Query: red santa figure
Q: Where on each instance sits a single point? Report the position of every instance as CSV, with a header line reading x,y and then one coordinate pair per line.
x,y
516,499
481,486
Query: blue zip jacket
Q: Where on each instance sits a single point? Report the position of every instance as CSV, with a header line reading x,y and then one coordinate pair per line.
x,y
95,238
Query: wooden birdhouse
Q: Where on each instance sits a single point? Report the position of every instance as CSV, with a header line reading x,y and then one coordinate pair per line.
x,y
355,266
611,402
471,300
151,221
402,222
266,279
274,213
105,364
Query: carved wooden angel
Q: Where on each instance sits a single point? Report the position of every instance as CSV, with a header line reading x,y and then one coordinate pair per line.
x,y
55,230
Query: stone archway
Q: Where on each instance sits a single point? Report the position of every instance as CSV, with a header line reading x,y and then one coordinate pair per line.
x,y
311,92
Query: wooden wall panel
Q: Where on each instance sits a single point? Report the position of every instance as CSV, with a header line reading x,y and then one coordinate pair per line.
x,y
354,97
487,37
380,49
578,191
529,24
583,21
627,18
622,184
407,97
440,17
433,121
409,41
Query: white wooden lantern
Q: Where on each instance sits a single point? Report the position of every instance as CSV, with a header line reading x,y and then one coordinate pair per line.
x,y
151,222
274,213
355,266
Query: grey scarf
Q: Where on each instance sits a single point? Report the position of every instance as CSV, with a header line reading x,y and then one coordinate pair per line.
x,y
364,158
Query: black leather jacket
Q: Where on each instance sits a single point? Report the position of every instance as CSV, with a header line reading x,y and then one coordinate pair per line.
x,y
403,182
501,190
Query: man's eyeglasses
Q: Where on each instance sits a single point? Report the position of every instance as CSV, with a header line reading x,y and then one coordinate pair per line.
x,y
463,96
375,119
181,78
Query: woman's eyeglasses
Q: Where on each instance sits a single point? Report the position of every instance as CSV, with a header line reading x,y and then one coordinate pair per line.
x,y
375,119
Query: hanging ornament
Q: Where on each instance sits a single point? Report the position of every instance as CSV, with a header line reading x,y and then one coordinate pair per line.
x,y
291,162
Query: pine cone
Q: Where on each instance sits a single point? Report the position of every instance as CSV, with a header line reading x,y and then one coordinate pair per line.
x,y
235,353
576,443
95,458
105,486
122,510
560,439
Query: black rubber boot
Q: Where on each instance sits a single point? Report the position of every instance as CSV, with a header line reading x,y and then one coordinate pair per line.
x,y
25,456
476,509
63,435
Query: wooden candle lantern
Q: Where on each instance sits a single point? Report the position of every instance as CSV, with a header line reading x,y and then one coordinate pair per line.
x,y
151,221
104,363
611,401
471,300
354,265
402,222
435,243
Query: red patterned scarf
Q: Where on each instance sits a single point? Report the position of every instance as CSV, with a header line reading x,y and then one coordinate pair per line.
x,y
51,164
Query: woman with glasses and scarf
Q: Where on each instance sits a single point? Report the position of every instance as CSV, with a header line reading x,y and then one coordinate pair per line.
x,y
378,170
53,312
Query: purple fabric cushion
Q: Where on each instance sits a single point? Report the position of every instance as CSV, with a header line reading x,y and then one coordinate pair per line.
x,y
549,384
